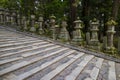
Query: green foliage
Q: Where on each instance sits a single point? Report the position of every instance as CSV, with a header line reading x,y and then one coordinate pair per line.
x,y
111,22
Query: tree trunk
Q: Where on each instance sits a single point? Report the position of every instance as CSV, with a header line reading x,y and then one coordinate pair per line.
x,y
73,10
116,5
85,14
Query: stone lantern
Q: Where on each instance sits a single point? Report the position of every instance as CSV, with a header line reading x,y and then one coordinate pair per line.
x,y
19,20
14,18
32,29
7,17
40,20
52,28
110,32
1,15
24,23
77,34
94,42
64,35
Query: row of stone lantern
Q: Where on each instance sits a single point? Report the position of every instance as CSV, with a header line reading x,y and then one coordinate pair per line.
x,y
7,17
92,40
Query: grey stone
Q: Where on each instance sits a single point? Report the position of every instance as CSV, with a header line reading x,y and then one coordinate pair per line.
x,y
94,42
63,32
104,42
73,75
77,34
32,29
40,25
60,68
9,60
52,28
112,72
37,69
88,38
118,44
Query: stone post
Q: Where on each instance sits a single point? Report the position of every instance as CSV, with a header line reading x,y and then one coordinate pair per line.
x,y
88,38
11,19
52,28
94,42
40,20
118,44
1,16
14,18
18,21
64,35
110,32
104,43
32,29
57,31
77,35
7,16
23,22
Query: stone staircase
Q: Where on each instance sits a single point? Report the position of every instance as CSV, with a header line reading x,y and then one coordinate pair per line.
x,y
27,58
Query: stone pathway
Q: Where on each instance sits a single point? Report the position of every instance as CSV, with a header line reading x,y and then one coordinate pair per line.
x,y
27,58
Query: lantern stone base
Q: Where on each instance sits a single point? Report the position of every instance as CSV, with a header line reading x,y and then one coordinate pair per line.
x,y
1,23
110,50
41,31
25,28
32,29
94,45
77,41
8,23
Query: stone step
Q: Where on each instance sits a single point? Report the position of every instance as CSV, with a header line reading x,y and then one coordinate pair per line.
x,y
7,37
112,72
12,39
16,41
9,60
19,43
22,46
60,68
26,63
73,75
38,52
95,71
25,50
43,66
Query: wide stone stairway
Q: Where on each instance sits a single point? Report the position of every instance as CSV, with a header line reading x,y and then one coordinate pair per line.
x,y
27,58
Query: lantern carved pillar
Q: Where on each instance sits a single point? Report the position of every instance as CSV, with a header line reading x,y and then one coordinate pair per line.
x,y
32,29
52,28
110,35
40,25
77,34
94,42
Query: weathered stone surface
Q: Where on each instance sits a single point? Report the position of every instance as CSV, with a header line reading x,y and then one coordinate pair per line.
x,y
32,29
52,27
41,25
64,35
45,60
9,60
118,44
112,72
77,34
80,67
52,74
88,38
94,42
105,43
